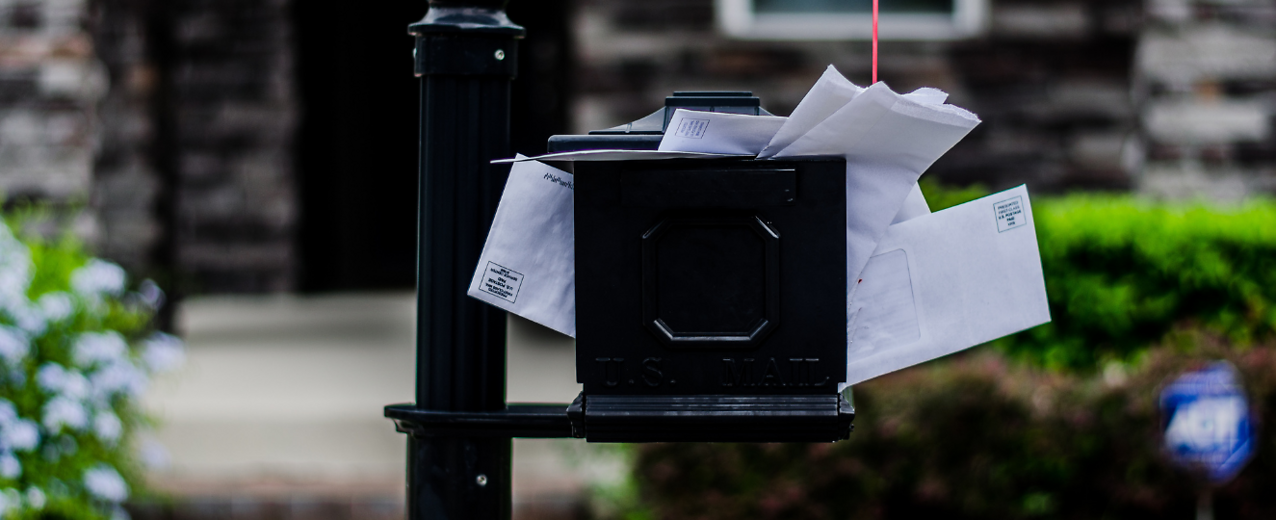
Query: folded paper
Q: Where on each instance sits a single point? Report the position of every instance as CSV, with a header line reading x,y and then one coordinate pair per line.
x,y
617,155
914,206
830,93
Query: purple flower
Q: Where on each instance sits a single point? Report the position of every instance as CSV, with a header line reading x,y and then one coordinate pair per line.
x,y
61,411
98,277
107,427
118,377
99,347
163,352
8,413
14,345
51,377
57,306
10,468
105,483
20,435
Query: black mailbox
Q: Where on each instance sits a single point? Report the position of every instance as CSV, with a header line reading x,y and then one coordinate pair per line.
x,y
710,293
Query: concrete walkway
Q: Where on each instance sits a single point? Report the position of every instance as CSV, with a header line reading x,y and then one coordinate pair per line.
x,y
281,397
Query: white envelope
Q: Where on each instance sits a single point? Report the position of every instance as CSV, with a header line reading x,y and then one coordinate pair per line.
x,y
718,132
617,155
914,206
830,93
528,265
944,282
888,140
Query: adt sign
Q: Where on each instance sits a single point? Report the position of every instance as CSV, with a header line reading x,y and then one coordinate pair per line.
x,y
1209,426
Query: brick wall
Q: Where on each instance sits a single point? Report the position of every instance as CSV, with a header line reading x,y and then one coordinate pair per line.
x,y
50,83
128,188
233,114
176,120
1207,93
1051,80
194,178
173,121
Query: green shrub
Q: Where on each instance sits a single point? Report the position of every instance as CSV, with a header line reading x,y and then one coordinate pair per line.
x,y
1121,272
975,437
940,197
76,352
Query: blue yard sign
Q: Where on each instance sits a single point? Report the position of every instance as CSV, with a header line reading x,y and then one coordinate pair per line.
x,y
1210,427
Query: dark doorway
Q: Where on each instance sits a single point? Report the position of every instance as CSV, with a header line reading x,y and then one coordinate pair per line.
x,y
357,143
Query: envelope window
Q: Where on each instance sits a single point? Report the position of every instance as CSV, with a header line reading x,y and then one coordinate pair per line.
x,y
885,311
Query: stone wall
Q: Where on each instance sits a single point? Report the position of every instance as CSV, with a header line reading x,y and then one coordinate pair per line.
x,y
194,181
232,108
50,84
172,121
1051,80
76,125
1207,94
128,187
175,121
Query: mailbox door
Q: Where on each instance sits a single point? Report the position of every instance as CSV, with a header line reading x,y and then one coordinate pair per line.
x,y
700,277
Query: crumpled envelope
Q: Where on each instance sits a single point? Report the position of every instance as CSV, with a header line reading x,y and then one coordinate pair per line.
x,y
888,140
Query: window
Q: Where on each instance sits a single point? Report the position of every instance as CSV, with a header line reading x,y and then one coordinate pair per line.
x,y
851,19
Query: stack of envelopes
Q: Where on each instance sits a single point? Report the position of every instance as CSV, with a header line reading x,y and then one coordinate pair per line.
x,y
920,285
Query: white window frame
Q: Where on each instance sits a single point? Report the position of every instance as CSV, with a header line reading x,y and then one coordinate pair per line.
x,y
738,19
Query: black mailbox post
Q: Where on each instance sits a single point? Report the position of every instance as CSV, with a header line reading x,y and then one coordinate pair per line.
x,y
710,293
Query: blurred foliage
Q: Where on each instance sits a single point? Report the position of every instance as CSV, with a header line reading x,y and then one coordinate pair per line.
x,y
1121,272
940,197
979,437
77,349
613,490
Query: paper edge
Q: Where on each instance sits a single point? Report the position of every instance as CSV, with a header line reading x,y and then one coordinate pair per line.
x,y
583,155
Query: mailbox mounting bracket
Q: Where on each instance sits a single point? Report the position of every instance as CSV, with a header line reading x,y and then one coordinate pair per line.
x,y
702,418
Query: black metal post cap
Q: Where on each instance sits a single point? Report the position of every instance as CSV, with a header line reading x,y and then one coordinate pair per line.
x,y
482,4
472,17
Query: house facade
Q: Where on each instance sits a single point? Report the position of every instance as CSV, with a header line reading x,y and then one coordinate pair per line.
x,y
270,146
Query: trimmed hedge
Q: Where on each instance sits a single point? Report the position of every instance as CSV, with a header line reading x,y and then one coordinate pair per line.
x,y
1122,272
